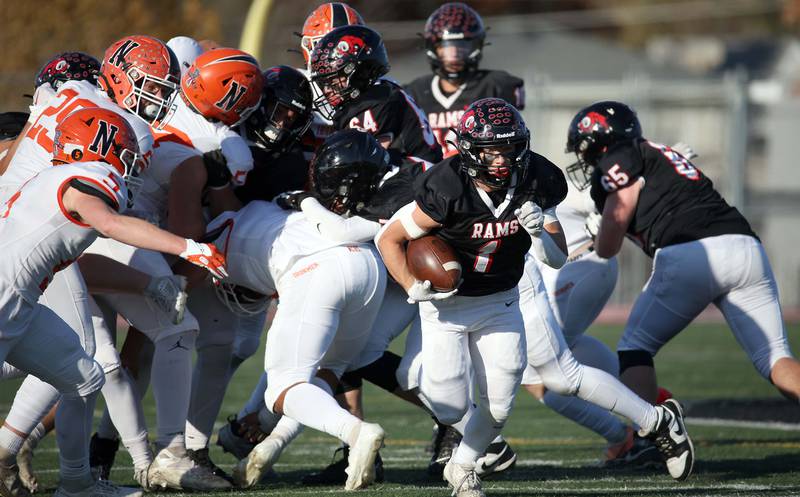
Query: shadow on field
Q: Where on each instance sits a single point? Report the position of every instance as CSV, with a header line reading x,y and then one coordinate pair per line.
x,y
742,469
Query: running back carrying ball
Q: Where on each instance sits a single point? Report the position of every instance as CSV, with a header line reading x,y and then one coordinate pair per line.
x,y
431,258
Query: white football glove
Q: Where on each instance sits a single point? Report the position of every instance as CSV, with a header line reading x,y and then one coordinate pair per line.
x,y
206,256
592,225
168,294
421,291
531,218
685,150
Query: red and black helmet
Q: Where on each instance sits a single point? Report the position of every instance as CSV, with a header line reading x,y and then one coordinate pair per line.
x,y
344,63
592,131
454,37
68,66
492,123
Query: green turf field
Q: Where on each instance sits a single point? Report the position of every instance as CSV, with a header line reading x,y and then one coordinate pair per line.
x,y
556,457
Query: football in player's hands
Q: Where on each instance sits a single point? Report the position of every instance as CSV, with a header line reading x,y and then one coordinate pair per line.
x,y
431,258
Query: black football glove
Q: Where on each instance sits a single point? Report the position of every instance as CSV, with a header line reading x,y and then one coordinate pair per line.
x,y
219,176
291,200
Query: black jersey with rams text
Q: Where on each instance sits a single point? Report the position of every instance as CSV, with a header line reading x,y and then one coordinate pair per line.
x,y
385,110
677,203
444,111
490,243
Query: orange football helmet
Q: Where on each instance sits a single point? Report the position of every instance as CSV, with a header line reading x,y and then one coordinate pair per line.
x,y
141,74
323,20
94,134
223,85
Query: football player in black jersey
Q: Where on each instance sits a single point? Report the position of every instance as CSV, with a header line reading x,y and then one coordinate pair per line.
x,y
346,65
488,203
454,38
704,251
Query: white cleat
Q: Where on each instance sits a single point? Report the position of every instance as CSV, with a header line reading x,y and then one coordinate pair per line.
x,y
251,469
172,468
464,480
101,488
361,460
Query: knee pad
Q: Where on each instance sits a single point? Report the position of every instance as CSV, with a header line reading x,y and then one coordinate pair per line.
x,y
562,376
447,414
245,346
499,412
82,380
631,358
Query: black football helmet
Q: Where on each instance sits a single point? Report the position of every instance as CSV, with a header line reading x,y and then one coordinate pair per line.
x,y
68,66
346,171
284,113
344,63
454,37
492,123
592,131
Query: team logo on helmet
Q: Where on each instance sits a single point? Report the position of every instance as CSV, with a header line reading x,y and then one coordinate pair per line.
x,y
118,58
592,121
350,45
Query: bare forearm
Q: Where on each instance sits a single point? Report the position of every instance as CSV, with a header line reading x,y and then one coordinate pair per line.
x,y
142,234
392,249
223,200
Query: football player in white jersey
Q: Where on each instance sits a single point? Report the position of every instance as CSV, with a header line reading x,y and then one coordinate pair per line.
x,y
330,293
218,90
52,219
138,81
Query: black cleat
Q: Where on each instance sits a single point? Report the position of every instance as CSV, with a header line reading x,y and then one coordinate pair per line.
x,y
334,474
499,457
672,440
446,441
202,459
102,453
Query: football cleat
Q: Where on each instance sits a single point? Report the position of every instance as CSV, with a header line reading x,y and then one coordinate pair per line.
x,y
25,463
463,480
361,460
334,474
102,452
444,443
499,457
172,468
672,440
201,458
101,488
251,469
231,442
10,483
633,452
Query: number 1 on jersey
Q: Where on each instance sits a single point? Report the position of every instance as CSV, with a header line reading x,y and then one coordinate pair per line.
x,y
484,259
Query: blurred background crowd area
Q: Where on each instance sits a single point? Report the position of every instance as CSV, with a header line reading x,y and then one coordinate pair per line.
x,y
720,75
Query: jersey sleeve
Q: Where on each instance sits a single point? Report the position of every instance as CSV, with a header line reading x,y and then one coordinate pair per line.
x,y
431,196
512,90
550,184
103,184
168,155
335,227
237,155
620,167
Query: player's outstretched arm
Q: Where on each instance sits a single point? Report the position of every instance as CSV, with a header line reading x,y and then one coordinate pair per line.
x,y
138,233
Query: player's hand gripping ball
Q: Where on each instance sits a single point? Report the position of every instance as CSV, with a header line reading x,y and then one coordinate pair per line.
x,y
431,258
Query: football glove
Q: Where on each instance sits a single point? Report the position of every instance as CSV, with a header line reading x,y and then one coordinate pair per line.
x,y
421,291
592,225
685,150
168,294
292,200
219,176
206,256
531,218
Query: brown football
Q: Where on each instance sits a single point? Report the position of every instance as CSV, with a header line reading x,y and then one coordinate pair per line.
x,y
431,258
